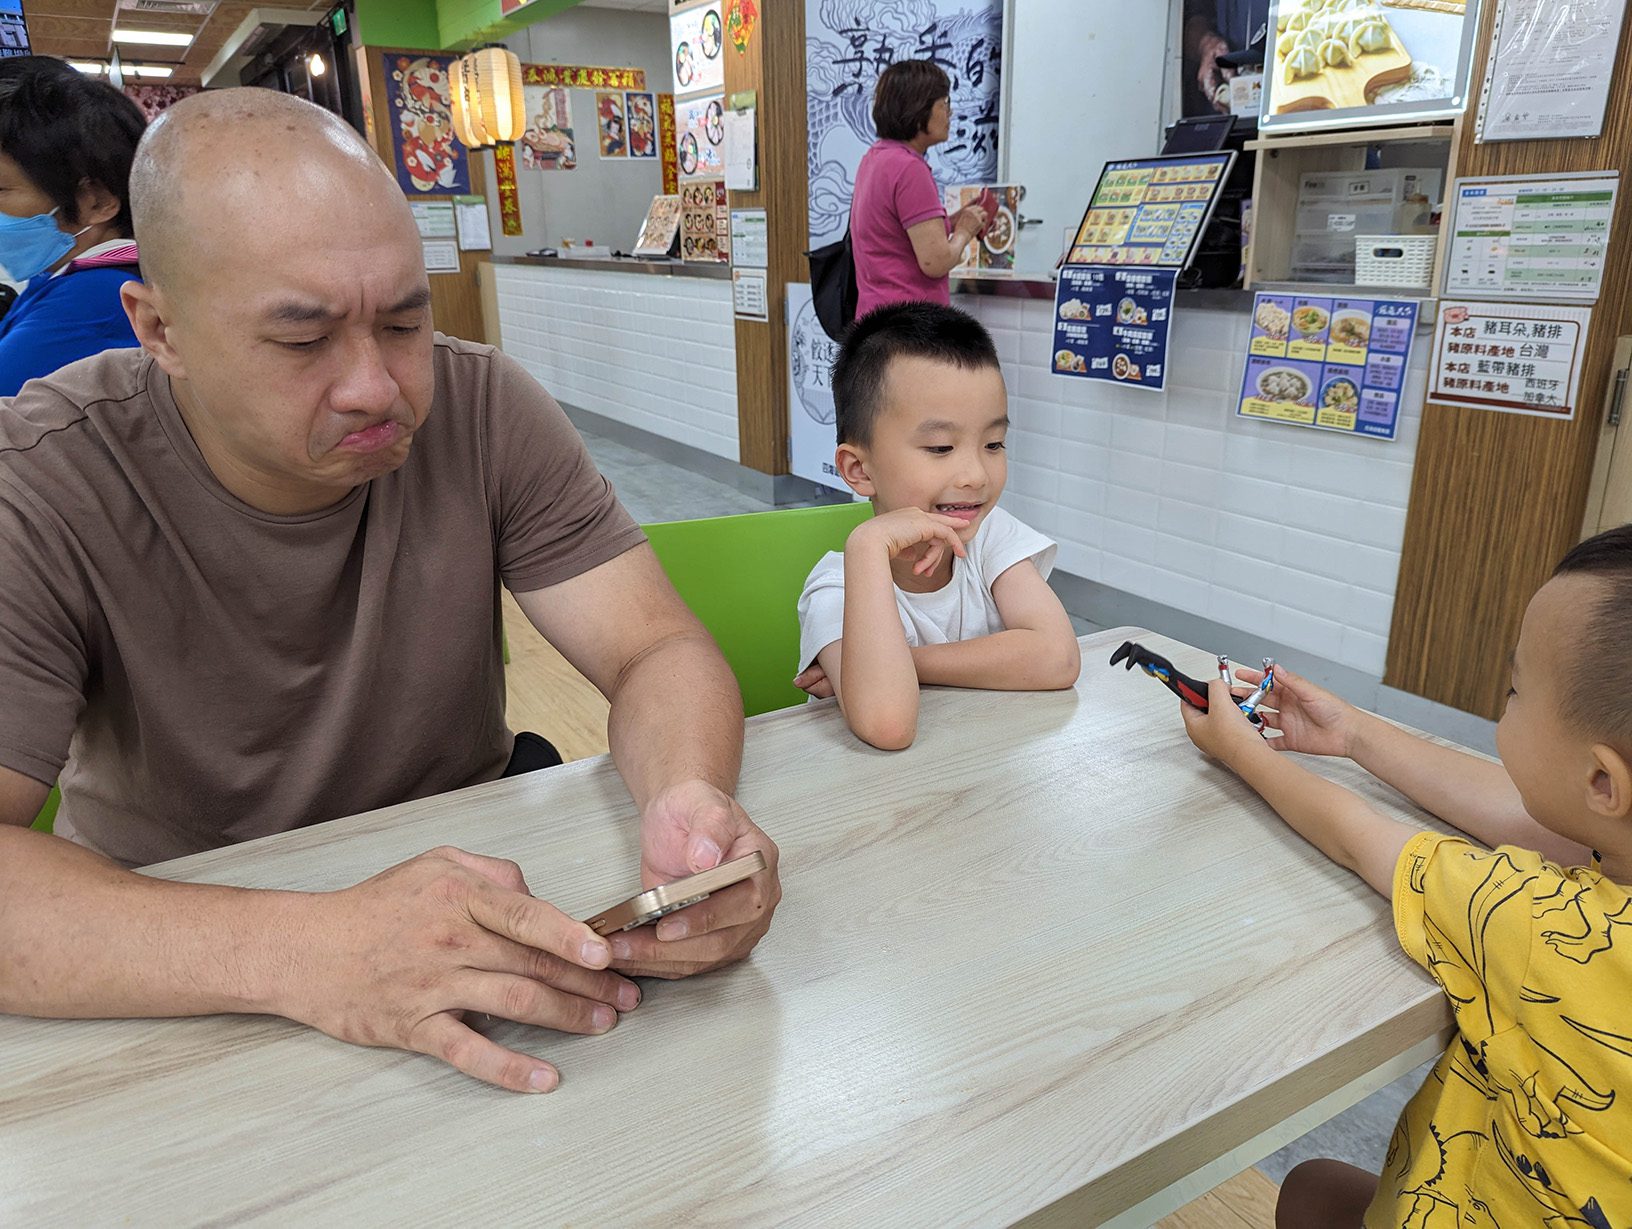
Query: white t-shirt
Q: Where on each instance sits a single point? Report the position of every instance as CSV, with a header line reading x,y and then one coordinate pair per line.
x,y
963,609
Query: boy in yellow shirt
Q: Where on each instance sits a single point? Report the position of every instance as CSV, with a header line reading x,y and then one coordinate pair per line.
x,y
1527,1118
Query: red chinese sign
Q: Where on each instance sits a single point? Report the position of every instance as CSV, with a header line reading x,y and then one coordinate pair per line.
x,y
504,164
671,157
583,76
741,16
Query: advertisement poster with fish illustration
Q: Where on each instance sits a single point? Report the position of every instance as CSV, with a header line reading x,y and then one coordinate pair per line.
x,y
848,43
1338,364
429,158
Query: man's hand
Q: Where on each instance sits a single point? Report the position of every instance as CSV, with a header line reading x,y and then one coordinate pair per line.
x,y
1209,73
813,681
931,534
1223,731
398,959
1310,719
688,828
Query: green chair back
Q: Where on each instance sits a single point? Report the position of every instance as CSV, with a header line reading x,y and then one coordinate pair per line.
x,y
48,813
742,576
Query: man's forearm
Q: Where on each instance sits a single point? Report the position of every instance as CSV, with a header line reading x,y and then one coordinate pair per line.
x,y
1466,791
677,716
1015,660
83,938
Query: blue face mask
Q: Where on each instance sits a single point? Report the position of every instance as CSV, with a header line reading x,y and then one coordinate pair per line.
x,y
30,246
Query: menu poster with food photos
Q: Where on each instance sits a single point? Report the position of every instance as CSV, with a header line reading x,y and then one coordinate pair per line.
x,y
992,251
1334,363
1150,211
1112,324
697,37
700,143
705,222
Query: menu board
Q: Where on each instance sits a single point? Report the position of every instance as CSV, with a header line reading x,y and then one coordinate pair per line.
x,y
1333,363
705,222
662,223
1531,237
1521,358
1112,324
1150,211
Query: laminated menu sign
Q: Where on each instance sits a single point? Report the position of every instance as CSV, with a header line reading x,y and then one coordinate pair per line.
x,y
1149,211
1112,324
1518,358
1334,363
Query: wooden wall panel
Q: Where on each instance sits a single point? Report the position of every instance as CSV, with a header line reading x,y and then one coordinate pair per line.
x,y
456,298
1497,499
774,65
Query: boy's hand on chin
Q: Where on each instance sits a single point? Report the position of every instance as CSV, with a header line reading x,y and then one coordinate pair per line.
x,y
900,531
1223,731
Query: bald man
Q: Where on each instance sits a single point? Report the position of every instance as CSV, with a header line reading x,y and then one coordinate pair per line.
x,y
251,582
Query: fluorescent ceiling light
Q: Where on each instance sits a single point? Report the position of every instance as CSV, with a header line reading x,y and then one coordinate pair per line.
x,y
154,38
91,68
149,70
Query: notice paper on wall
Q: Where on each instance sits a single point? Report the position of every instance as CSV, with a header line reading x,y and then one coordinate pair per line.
x,y
1338,364
441,255
1112,324
434,219
749,295
741,165
1550,68
1520,358
1530,236
750,249
470,215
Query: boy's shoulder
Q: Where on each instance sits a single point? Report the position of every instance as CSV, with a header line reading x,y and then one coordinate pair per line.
x,y
1004,540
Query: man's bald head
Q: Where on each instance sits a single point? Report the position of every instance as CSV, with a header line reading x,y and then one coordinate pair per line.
x,y
237,162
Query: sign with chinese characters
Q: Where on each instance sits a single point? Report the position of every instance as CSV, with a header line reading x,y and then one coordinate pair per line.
x,y
1550,67
504,170
812,434
1334,363
848,45
1518,358
1531,236
1112,324
1150,211
583,77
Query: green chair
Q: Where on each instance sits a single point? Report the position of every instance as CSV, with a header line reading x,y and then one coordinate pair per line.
x,y
742,575
48,813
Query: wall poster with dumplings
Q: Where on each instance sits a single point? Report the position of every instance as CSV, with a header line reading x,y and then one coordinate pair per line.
x,y
1343,63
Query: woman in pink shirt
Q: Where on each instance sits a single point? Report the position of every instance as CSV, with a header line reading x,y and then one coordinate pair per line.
x,y
904,243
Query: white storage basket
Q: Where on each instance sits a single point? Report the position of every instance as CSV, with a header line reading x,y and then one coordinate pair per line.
x,y
1394,260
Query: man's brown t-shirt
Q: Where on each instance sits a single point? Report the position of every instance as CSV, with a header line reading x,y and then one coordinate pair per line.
x,y
200,673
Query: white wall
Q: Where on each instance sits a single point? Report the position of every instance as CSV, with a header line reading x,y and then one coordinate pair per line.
x,y
647,350
1289,532
601,199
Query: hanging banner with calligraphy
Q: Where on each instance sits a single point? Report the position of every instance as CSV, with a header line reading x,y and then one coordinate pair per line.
x,y
583,77
666,144
504,168
844,54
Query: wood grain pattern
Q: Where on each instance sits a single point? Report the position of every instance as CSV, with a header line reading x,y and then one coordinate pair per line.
x,y
1246,1201
546,695
774,66
1497,499
1049,956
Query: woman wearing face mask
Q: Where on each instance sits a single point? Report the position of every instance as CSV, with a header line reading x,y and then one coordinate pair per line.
x,y
66,144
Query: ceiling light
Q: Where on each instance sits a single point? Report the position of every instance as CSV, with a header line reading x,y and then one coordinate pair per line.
x,y
315,65
149,70
154,38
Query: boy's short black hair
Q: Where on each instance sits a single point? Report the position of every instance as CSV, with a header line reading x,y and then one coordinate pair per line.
x,y
904,96
1598,681
63,128
901,330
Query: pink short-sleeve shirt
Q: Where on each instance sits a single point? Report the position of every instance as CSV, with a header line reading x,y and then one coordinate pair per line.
x,y
894,190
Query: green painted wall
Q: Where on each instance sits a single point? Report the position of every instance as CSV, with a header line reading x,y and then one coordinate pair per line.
x,y
399,23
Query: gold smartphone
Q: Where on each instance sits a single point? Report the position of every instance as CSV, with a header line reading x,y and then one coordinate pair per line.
x,y
646,908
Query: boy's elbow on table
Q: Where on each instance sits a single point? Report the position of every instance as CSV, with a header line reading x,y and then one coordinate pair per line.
x,y
887,729
1067,665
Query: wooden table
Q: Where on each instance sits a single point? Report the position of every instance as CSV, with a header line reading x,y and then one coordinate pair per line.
x,y
1049,963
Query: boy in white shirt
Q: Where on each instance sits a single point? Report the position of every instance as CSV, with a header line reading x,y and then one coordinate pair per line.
x,y
940,586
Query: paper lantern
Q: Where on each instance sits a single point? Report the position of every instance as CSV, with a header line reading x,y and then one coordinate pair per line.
x,y
466,109
491,94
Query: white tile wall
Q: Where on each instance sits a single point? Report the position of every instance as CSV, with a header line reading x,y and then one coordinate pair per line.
x,y
646,350
1290,532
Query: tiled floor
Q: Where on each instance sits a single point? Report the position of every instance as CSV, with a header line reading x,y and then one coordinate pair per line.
x,y
654,490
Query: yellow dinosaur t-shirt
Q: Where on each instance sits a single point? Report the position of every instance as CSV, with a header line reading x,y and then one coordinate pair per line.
x,y
1527,1119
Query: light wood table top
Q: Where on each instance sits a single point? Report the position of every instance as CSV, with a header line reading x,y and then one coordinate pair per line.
x,y
1049,958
